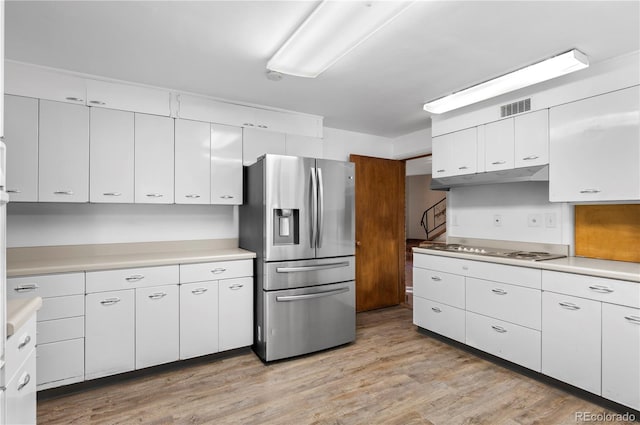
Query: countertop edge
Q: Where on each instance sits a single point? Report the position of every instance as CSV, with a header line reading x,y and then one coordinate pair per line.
x,y
19,311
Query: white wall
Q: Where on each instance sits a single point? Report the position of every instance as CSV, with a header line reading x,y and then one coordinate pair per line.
x,y
412,144
339,144
77,224
471,211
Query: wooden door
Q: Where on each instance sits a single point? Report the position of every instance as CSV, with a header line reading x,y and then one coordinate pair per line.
x,y
380,234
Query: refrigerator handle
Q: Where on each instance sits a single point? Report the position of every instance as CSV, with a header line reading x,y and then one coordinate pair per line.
x,y
320,207
314,207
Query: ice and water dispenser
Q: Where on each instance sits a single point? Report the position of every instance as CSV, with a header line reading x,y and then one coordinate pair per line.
x,y
286,226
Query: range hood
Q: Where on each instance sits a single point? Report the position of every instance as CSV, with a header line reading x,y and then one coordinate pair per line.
x,y
526,174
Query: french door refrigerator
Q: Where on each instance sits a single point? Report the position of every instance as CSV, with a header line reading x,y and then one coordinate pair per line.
x,y
298,216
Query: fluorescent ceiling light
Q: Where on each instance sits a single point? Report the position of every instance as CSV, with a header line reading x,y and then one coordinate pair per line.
x,y
332,30
556,66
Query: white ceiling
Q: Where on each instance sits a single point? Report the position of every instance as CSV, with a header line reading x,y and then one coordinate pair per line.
x,y
220,48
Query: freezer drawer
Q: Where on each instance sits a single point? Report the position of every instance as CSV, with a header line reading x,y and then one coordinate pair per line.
x,y
302,273
300,321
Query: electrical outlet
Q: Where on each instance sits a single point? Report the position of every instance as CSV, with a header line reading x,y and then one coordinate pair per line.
x,y
550,220
534,220
497,220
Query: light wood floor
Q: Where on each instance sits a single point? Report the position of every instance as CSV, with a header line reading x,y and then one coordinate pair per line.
x,y
391,375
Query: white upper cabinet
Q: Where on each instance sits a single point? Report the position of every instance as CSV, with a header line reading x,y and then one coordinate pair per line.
x,y
594,148
128,97
204,109
455,154
21,138
111,156
192,162
32,81
154,155
531,145
226,164
259,142
499,140
63,152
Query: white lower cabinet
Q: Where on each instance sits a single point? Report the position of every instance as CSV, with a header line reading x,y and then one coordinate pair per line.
x,y
198,319
110,333
439,318
60,363
621,354
157,337
21,393
235,313
571,329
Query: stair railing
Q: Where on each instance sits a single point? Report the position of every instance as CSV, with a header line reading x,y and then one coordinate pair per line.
x,y
434,219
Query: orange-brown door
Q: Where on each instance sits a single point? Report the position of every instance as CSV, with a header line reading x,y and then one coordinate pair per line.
x,y
380,232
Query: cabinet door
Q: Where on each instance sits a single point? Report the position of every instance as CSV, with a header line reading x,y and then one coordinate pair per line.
x,y
63,154
154,155
128,97
157,337
110,333
442,161
203,109
21,394
60,362
111,152
24,79
531,145
571,330
621,354
198,319
236,313
499,145
21,138
259,142
594,148
464,151
193,153
226,164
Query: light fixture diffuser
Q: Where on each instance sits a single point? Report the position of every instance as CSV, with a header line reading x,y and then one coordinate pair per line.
x,y
332,30
556,66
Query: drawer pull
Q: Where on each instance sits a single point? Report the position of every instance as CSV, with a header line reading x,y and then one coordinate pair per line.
x,y
440,171
498,162
27,287
633,319
154,195
218,270
112,194
157,295
134,278
601,289
110,301
464,167
226,197
26,340
63,192
530,158
235,287
498,329
14,191
192,196
436,278
199,291
24,381
436,309
499,291
569,306
589,191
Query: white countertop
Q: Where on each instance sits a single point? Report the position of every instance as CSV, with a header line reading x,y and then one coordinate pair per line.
x,y
621,270
19,311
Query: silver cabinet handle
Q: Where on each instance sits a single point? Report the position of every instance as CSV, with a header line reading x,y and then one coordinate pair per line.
x,y
499,291
498,329
602,289
25,380
569,306
498,162
154,195
110,301
157,295
112,194
134,278
13,191
262,126
226,197
97,102
26,340
440,171
590,191
236,286
436,278
27,287
311,268
436,309
192,196
633,319
63,192
74,99
218,270
530,158
199,291
247,124
464,167
311,296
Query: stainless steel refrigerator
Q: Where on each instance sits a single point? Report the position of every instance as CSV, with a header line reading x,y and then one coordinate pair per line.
x,y
298,216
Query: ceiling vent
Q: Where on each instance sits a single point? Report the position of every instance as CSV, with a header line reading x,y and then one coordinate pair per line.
x,y
515,108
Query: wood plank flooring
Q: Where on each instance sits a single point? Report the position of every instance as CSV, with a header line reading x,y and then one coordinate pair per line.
x,y
392,374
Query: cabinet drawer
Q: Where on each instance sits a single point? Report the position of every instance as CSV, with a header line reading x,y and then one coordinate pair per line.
x,y
215,270
60,330
445,288
21,393
443,264
439,318
55,285
513,275
591,287
114,280
61,307
60,362
18,347
512,303
511,342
